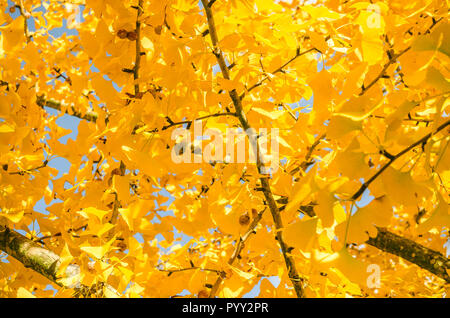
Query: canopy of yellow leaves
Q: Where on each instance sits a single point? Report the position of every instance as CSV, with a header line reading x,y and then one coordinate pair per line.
x,y
377,73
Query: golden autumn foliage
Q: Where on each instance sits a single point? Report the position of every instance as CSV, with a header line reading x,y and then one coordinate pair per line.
x,y
358,91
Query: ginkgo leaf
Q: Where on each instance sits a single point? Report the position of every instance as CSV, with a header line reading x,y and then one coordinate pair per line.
x,y
321,12
232,287
301,234
434,41
91,211
5,128
121,185
13,34
325,205
230,85
438,80
402,188
318,42
440,218
98,251
350,267
241,273
272,115
13,217
362,224
299,194
147,44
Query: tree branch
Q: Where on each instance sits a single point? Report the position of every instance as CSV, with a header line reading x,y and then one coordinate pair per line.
x,y
23,172
171,271
392,60
237,102
426,258
307,162
122,169
172,124
42,102
42,261
383,71
25,16
422,256
423,140
138,48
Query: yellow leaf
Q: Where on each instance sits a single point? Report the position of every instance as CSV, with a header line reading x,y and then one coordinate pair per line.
x,y
127,274
242,274
6,128
272,115
13,217
437,80
23,293
318,41
13,34
230,41
301,234
341,125
321,13
94,212
233,287
324,208
230,85
300,192
402,188
437,40
98,251
362,223
147,44
135,211
135,290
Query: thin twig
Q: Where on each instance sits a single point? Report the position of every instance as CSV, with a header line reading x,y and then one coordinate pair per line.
x,y
307,162
393,59
237,251
383,71
280,69
171,271
172,124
